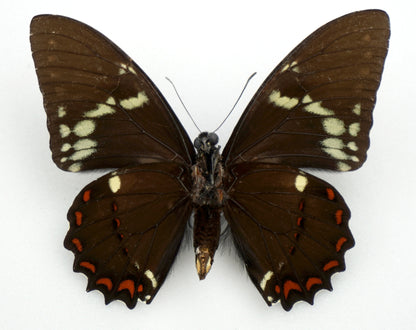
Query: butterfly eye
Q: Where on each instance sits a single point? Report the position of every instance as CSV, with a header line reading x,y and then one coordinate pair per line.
x,y
197,143
213,138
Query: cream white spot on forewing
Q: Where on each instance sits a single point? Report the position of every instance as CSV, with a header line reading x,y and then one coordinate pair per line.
x,y
111,101
301,182
317,109
284,102
135,102
84,144
357,109
84,128
352,146
307,99
353,129
334,126
82,154
65,147
75,167
333,143
343,166
64,130
339,154
61,111
114,183
101,110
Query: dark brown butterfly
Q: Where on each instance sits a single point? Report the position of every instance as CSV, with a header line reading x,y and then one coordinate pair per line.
x,y
290,228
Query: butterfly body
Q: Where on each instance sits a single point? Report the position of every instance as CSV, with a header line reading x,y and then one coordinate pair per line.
x,y
289,227
208,198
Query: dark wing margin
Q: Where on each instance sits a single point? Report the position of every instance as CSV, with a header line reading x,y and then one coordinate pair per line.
x,y
315,108
126,229
290,228
102,109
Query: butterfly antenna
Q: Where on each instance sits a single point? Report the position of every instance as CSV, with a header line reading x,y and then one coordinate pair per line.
x,y
180,99
238,99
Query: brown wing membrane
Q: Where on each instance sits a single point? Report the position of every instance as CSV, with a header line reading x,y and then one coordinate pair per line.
x,y
103,111
315,108
290,228
126,228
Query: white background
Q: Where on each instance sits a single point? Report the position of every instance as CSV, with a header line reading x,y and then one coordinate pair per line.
x,y
209,49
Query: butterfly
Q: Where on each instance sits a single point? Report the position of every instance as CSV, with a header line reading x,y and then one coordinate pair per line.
x,y
290,228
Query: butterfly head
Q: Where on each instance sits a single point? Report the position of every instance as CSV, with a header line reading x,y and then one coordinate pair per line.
x,y
206,142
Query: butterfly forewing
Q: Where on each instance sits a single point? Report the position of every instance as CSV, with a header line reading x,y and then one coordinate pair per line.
x,y
290,228
315,108
103,111
126,228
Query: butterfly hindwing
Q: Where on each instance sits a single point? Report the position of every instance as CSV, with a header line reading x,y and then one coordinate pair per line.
x,y
103,111
290,228
126,228
315,108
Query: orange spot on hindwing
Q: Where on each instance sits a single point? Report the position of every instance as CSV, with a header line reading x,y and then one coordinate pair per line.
x,y
277,289
330,194
105,281
340,243
330,265
88,265
77,244
289,286
114,207
127,285
312,281
86,196
301,205
78,218
140,288
338,216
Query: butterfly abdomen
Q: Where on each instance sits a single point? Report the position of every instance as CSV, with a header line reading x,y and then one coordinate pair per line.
x,y
207,228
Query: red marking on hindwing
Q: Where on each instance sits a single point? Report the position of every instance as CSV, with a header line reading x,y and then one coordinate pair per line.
x,y
291,249
312,281
114,206
330,265
301,205
86,196
88,265
289,286
340,243
140,288
338,216
78,218
330,194
296,236
127,285
277,289
299,221
77,244
116,222
105,281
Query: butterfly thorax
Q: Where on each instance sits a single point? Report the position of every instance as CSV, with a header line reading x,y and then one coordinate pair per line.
x,y
208,200
207,173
